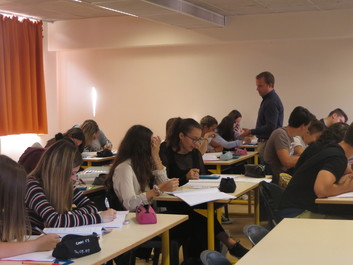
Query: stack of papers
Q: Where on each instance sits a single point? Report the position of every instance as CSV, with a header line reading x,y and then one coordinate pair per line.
x,y
211,156
344,195
90,229
194,197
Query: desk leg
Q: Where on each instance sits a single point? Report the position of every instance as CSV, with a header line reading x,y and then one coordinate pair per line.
x,y
257,206
210,225
256,159
165,248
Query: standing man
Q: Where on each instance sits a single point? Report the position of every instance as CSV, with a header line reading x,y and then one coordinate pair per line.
x,y
270,115
337,115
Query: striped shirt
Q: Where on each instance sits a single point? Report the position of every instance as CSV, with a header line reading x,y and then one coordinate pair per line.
x,y
42,214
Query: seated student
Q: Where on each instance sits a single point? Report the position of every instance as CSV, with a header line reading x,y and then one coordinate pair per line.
x,y
29,159
333,134
337,115
225,134
168,126
279,148
51,192
13,217
314,131
320,174
95,138
184,161
209,125
237,117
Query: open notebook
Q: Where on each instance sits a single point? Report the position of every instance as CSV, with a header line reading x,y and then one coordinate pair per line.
x,y
90,229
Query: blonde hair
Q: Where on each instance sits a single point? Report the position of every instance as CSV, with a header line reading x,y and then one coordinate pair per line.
x,y
13,218
89,128
54,171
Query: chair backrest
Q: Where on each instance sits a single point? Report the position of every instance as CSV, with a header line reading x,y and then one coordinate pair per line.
x,y
255,233
271,195
284,179
212,257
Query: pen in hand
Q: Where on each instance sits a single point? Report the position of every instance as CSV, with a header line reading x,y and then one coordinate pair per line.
x,y
39,230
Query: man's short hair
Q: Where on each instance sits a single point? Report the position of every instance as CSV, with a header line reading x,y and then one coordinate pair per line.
x,y
300,116
348,137
340,113
316,126
268,77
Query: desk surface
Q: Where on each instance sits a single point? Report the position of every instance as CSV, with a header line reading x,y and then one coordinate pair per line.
x,y
334,201
97,159
304,241
121,240
242,188
231,161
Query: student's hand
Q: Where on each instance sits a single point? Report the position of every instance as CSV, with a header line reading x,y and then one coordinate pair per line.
x,y
155,144
193,174
46,242
108,215
247,140
246,132
108,146
209,135
170,185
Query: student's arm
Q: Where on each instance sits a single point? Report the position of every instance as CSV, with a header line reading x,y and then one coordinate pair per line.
x,y
43,243
298,150
325,184
227,144
217,147
103,141
86,213
286,160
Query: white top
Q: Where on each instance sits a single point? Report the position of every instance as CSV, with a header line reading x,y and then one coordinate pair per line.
x,y
127,187
298,141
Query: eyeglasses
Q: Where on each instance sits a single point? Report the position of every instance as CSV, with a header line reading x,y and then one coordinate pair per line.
x,y
196,140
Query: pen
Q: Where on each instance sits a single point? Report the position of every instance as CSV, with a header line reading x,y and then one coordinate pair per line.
x,y
81,180
37,262
39,230
107,203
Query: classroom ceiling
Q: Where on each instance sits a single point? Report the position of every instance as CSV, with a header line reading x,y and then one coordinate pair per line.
x,y
182,13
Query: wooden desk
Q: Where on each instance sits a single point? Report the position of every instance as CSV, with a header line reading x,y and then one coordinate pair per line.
x,y
220,163
334,201
90,160
252,147
121,240
304,241
242,188
91,189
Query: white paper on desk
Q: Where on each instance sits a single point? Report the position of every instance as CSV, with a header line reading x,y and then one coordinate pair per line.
x,y
90,229
242,178
35,256
344,195
202,183
116,223
77,230
194,197
211,156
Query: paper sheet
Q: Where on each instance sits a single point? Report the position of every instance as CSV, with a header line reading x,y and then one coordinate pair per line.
x,y
194,197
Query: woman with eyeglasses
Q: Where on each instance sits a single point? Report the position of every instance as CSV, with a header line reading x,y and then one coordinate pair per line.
x,y
184,161
51,193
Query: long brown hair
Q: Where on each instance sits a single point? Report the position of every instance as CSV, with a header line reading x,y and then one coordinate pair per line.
x,y
54,171
89,128
136,146
13,218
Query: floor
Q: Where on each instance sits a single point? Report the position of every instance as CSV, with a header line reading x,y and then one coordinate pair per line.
x,y
238,214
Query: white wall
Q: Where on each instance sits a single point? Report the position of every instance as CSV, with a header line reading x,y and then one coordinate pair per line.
x,y
147,72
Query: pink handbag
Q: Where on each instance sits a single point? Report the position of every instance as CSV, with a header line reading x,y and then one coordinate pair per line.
x,y
240,152
145,214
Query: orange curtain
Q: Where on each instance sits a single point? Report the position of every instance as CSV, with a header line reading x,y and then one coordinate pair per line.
x,y
22,90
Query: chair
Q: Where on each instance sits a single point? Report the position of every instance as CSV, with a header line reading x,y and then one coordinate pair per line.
x,y
255,233
155,243
212,257
284,179
270,196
